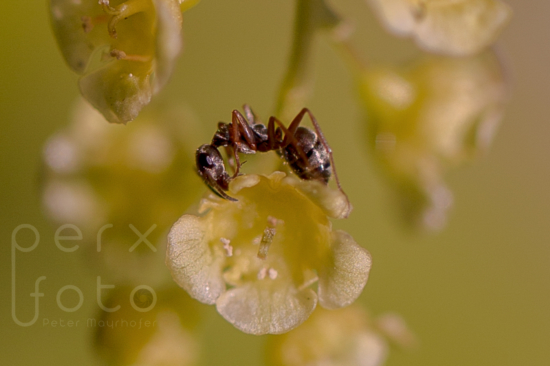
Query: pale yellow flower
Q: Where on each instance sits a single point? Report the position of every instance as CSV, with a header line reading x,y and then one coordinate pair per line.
x,y
148,327
116,183
422,120
124,50
258,257
343,337
454,27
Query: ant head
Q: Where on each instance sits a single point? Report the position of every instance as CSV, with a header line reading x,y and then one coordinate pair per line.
x,y
211,168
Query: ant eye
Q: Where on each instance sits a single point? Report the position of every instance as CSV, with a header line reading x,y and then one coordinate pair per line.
x,y
205,161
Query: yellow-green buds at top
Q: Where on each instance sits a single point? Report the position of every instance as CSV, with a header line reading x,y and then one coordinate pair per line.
x,y
343,337
429,117
118,184
144,326
124,50
269,247
453,27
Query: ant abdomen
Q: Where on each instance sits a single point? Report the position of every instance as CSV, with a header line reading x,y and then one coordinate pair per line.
x,y
317,166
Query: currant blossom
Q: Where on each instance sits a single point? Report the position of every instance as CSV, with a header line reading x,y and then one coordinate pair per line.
x,y
142,326
124,52
427,118
343,337
116,183
453,27
258,257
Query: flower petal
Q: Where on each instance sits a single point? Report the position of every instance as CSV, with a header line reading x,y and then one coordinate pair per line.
x,y
333,202
397,15
459,27
343,280
193,265
168,40
76,45
257,308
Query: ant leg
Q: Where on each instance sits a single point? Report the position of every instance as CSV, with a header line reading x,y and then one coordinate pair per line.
x,y
230,159
250,115
288,135
325,145
242,128
294,125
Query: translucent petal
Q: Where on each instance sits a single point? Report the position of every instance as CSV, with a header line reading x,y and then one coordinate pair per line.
x,y
259,308
193,265
75,45
168,40
343,279
333,202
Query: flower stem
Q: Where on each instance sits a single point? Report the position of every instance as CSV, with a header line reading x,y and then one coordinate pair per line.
x,y
311,16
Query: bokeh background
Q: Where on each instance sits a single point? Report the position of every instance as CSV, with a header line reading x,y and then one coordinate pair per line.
x,y
476,293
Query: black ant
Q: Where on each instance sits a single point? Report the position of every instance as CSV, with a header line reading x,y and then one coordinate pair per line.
x,y
307,152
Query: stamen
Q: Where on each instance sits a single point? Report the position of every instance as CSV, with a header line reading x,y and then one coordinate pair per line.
x,y
266,271
308,283
88,23
262,273
228,248
121,55
273,273
122,11
267,237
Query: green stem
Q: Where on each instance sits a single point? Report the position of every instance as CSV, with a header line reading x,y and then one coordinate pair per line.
x,y
311,16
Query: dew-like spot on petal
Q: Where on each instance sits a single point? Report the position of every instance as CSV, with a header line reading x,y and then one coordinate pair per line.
x,y
191,261
343,279
259,308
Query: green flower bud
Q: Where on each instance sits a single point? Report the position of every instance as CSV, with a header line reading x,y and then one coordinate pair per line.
x,y
125,51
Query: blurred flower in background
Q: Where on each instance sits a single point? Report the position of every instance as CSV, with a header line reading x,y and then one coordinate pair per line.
x,y
153,329
343,337
269,248
118,184
423,119
453,27
125,52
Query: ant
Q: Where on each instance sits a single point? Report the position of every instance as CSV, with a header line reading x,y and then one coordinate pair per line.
x,y
306,152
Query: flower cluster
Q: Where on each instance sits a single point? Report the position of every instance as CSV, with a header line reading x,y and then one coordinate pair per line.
x,y
117,183
139,327
340,337
269,248
426,118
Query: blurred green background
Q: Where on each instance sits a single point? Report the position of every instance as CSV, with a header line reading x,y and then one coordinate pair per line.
x,y
475,294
